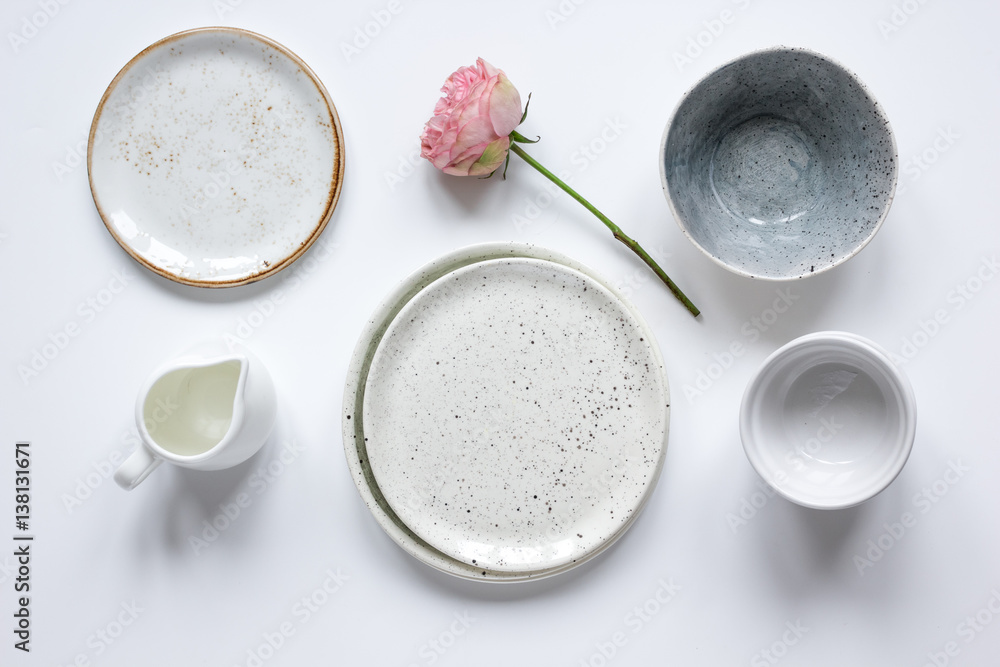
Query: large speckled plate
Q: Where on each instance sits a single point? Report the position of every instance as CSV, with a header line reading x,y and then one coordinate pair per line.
x,y
506,413
216,157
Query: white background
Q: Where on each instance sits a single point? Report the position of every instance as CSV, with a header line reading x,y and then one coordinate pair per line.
x,y
98,547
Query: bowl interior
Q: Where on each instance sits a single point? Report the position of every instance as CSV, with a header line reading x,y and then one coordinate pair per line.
x,y
779,164
828,422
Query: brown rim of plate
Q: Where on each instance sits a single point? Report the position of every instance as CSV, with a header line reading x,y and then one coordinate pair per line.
x,y
332,196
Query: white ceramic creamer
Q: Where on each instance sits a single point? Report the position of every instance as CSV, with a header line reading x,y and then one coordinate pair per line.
x,y
208,409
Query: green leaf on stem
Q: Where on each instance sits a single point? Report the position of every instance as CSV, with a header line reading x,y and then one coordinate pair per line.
x,y
525,114
521,139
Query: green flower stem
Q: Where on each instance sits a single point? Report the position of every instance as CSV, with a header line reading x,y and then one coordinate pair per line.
x,y
618,233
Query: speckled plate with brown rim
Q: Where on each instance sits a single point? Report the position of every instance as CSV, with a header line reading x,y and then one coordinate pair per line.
x,y
216,157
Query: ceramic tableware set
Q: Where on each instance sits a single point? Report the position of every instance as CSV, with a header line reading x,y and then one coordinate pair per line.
x,y
506,409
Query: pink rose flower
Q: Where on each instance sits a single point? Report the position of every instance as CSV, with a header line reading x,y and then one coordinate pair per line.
x,y
469,134
474,130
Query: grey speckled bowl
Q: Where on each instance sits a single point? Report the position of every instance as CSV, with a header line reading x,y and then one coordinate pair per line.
x,y
779,164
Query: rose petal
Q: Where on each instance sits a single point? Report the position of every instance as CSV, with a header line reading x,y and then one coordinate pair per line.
x,y
505,107
477,132
461,168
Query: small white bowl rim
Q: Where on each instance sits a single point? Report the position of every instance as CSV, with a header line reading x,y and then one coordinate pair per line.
x,y
864,88
898,380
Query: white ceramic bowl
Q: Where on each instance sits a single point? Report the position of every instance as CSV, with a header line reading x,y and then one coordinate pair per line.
x,y
828,420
